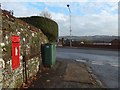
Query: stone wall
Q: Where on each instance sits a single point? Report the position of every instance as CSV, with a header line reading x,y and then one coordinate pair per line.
x,y
31,39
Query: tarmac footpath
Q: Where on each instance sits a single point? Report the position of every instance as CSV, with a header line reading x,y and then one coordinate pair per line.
x,y
65,74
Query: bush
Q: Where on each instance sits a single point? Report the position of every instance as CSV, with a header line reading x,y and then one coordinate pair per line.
x,y
48,26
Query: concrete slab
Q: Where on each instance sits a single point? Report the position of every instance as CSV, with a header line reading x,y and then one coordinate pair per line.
x,y
76,73
65,74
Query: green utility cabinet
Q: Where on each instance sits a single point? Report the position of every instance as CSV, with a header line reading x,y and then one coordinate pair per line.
x,y
49,54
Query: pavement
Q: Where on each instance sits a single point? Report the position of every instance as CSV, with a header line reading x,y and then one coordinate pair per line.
x,y
65,74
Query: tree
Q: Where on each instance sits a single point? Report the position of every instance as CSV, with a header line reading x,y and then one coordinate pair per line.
x,y
46,14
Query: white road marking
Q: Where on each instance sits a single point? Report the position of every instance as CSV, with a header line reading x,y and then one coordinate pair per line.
x,y
80,60
97,63
115,65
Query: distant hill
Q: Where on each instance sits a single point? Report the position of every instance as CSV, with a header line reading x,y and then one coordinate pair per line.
x,y
48,26
96,38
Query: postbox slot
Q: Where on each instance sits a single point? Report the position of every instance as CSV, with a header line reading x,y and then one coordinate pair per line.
x,y
16,51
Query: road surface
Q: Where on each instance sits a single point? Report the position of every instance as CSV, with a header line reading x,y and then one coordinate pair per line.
x,y
104,63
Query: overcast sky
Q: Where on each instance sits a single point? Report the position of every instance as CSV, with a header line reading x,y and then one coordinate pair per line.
x,y
88,17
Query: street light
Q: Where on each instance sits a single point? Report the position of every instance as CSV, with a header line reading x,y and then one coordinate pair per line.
x,y
70,24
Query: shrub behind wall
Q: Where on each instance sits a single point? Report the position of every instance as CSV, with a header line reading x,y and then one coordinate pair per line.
x,y
48,26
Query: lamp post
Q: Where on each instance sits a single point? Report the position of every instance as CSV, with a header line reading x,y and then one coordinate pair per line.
x,y
70,23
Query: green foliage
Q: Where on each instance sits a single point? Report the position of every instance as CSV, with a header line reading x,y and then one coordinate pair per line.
x,y
48,26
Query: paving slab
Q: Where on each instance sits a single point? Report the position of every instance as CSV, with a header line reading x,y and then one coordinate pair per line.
x,y
76,73
65,74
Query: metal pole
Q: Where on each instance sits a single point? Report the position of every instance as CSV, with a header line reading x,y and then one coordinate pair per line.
x,y
25,68
70,25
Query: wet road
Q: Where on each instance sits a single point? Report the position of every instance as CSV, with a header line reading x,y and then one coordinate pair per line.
x,y
104,63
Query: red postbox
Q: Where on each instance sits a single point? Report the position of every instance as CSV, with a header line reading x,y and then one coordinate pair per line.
x,y
15,52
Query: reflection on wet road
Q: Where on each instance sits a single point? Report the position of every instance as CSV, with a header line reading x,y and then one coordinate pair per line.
x,y
104,63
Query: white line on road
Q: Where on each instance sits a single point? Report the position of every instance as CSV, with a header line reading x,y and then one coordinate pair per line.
x,y
97,63
80,60
115,65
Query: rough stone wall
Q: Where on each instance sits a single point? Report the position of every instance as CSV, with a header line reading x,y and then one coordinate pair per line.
x,y
31,39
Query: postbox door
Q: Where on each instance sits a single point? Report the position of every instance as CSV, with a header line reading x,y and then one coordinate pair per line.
x,y
15,55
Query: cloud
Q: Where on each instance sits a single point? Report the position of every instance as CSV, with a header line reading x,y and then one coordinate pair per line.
x,y
20,9
102,24
88,18
44,0
59,0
